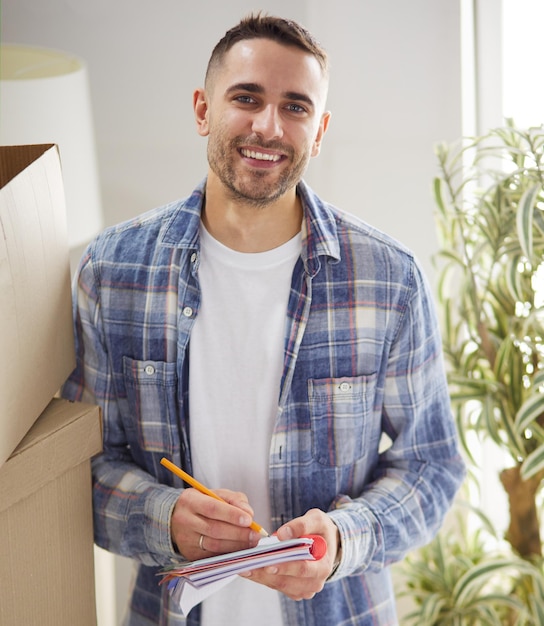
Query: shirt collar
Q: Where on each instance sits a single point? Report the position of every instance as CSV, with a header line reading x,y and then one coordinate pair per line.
x,y
319,237
320,232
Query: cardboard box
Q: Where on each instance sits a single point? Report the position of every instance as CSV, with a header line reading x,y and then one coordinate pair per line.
x,y
46,531
36,336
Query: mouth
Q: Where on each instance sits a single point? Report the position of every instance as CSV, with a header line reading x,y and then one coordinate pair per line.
x,y
257,155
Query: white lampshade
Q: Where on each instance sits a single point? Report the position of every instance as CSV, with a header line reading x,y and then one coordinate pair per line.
x,y
45,98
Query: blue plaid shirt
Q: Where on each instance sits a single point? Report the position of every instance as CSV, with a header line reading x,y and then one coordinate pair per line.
x,y
362,359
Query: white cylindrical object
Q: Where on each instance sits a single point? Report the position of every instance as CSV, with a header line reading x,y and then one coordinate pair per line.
x,y
45,98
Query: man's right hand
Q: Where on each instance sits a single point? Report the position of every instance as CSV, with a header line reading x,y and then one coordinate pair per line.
x,y
203,526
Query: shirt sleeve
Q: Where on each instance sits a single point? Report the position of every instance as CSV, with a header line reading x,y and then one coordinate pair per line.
x,y
417,476
132,510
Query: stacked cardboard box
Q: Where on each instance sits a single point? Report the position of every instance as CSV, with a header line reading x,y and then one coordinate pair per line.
x,y
46,531
46,538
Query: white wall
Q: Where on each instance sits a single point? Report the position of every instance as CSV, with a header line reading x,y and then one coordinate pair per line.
x,y
395,92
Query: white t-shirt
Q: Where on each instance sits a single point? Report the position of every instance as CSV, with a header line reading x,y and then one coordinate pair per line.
x,y
236,356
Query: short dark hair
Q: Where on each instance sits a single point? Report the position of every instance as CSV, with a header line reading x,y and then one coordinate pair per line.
x,y
261,26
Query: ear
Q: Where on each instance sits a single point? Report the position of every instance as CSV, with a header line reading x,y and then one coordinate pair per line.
x,y
200,108
323,125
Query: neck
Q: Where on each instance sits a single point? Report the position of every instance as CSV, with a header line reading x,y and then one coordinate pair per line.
x,y
247,227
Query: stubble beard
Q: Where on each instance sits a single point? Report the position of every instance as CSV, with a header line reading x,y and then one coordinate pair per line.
x,y
257,188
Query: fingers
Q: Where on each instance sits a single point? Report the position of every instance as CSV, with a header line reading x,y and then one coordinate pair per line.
x,y
237,499
201,525
301,580
214,512
314,522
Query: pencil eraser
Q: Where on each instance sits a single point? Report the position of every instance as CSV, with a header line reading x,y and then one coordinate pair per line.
x,y
319,546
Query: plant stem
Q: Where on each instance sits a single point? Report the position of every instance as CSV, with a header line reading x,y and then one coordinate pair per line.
x,y
524,531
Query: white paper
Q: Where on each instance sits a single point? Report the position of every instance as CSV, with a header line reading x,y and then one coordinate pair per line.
x,y
190,582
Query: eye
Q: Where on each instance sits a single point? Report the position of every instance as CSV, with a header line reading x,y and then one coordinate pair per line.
x,y
295,108
244,99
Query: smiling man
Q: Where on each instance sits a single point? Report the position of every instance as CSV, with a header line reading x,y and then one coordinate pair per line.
x,y
270,114
265,341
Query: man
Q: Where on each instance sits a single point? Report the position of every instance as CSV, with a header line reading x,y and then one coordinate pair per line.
x,y
267,343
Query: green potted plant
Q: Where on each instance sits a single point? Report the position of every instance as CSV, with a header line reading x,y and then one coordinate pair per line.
x,y
489,197
469,577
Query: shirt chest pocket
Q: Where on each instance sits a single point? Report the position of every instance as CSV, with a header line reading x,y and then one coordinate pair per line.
x,y
340,413
151,388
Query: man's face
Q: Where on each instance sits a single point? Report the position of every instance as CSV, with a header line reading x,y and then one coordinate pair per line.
x,y
263,115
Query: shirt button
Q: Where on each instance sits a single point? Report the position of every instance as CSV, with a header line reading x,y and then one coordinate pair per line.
x,y
345,387
149,370
194,257
187,311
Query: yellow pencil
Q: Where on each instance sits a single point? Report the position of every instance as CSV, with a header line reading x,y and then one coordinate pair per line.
x,y
194,483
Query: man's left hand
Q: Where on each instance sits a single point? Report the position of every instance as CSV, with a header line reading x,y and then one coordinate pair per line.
x,y
301,580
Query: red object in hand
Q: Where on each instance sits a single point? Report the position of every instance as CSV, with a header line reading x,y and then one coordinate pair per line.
x,y
319,547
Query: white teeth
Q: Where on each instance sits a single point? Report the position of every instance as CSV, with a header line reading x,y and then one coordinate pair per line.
x,y
260,156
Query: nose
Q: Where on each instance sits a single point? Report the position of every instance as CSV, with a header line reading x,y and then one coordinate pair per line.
x,y
267,123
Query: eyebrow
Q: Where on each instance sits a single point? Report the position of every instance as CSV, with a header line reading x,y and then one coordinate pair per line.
x,y
259,89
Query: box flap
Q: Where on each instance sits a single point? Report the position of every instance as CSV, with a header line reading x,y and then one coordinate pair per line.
x,y
15,159
65,435
36,334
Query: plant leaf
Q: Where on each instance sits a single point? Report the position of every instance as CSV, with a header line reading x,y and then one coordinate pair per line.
x,y
438,196
513,279
537,608
533,464
538,378
529,411
524,219
471,583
